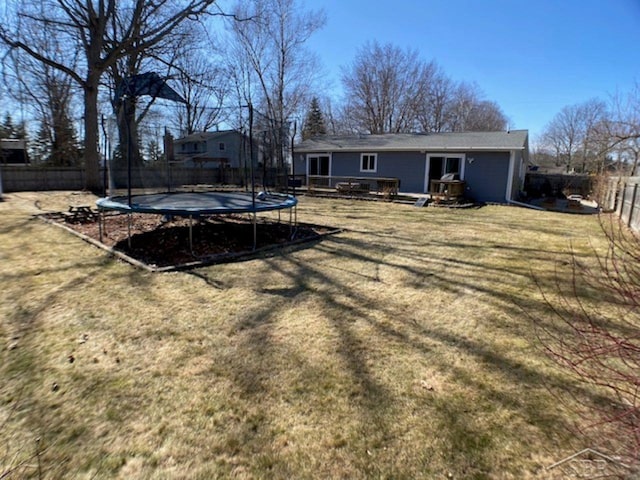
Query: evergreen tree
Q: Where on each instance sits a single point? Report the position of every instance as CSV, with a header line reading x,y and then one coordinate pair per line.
x,y
41,145
314,122
56,143
20,131
154,152
65,148
7,129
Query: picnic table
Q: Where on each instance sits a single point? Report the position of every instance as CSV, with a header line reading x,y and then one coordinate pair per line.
x,y
81,214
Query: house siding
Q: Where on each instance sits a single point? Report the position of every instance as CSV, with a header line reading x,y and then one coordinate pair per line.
x,y
487,176
299,164
406,166
231,149
409,167
234,151
493,161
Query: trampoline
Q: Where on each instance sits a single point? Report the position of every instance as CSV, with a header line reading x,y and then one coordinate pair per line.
x,y
197,204
178,173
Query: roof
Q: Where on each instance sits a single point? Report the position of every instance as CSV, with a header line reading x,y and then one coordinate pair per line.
x,y
203,136
13,144
512,140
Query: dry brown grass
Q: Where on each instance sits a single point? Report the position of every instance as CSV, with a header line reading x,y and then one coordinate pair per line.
x,y
397,349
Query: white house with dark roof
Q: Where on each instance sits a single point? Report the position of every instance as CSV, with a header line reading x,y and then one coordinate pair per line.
x,y
492,164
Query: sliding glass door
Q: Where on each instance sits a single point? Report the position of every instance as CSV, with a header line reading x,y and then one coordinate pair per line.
x,y
318,164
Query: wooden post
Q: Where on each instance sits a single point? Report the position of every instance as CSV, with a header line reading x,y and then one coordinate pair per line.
x,y
633,205
623,194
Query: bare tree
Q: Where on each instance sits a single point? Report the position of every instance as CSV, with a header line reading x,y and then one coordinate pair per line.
x,y
593,331
572,133
57,130
49,95
467,111
540,156
385,88
390,90
486,116
274,63
623,128
202,83
332,116
594,114
463,99
433,115
84,25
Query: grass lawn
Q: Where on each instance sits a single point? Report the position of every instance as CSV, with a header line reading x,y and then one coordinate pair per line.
x,y
396,349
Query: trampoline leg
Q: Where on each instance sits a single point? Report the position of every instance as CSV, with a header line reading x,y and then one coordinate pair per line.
x,y
255,231
129,230
100,224
191,234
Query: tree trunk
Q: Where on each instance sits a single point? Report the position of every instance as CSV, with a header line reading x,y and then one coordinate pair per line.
x,y
91,156
128,135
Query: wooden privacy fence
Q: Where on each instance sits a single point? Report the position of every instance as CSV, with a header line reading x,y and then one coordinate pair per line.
x,y
28,178
40,178
622,196
628,207
539,185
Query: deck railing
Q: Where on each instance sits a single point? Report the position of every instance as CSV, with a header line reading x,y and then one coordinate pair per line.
x,y
354,185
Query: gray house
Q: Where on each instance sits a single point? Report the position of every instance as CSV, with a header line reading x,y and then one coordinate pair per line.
x,y
227,148
492,164
13,152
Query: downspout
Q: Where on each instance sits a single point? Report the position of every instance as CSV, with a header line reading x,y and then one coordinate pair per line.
x,y
512,161
526,205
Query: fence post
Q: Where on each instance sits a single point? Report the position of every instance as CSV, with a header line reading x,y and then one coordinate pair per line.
x,y
633,205
622,197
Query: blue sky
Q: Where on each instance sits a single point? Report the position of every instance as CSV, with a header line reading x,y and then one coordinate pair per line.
x,y
532,57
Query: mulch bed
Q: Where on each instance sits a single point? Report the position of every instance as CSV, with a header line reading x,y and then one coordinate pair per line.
x,y
162,243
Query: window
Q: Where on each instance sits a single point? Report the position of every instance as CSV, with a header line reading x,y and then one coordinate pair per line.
x,y
368,162
452,165
221,146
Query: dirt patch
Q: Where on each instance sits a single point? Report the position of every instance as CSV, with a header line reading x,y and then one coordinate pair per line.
x,y
159,242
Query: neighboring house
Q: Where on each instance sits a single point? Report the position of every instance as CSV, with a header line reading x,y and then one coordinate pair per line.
x,y
491,163
13,152
227,148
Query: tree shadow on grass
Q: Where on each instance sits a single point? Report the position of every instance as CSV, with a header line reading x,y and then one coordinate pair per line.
x,y
26,367
343,305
